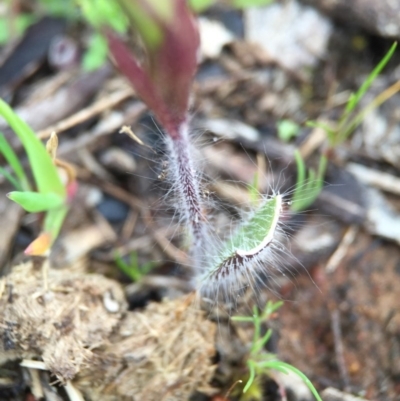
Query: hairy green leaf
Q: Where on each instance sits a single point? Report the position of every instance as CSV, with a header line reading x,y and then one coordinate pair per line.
x,y
256,234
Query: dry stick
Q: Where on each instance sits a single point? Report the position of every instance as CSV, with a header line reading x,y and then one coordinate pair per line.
x,y
88,112
172,251
168,248
384,181
331,266
342,249
339,349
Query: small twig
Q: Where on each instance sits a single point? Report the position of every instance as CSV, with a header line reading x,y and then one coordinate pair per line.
x,y
36,386
384,181
129,225
93,166
232,387
168,248
316,138
339,349
85,114
122,195
73,393
31,364
342,249
128,131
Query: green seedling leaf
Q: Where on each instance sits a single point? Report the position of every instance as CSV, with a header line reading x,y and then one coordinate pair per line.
x,y
52,225
249,241
54,220
12,159
250,3
307,191
64,8
19,24
252,374
34,202
104,13
43,169
241,319
329,130
259,230
132,269
287,130
96,55
200,5
284,367
356,97
254,195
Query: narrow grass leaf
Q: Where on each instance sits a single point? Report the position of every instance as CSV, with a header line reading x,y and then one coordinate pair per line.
x,y
54,220
200,5
250,3
252,375
356,97
8,152
43,169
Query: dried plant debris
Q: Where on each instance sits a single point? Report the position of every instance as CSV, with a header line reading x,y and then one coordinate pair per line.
x,y
163,353
60,325
79,327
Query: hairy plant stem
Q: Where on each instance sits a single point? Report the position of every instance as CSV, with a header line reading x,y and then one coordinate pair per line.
x,y
188,188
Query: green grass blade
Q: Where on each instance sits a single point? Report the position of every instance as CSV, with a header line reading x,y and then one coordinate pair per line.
x,y
43,169
250,3
252,375
287,130
299,373
34,202
301,176
241,319
96,54
200,5
13,181
127,269
355,98
12,159
254,195
54,220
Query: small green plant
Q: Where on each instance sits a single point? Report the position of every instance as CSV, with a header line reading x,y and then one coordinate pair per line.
x,y
52,196
308,186
132,269
261,362
287,130
350,119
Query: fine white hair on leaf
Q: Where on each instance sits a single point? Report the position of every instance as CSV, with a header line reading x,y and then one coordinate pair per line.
x,y
241,260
